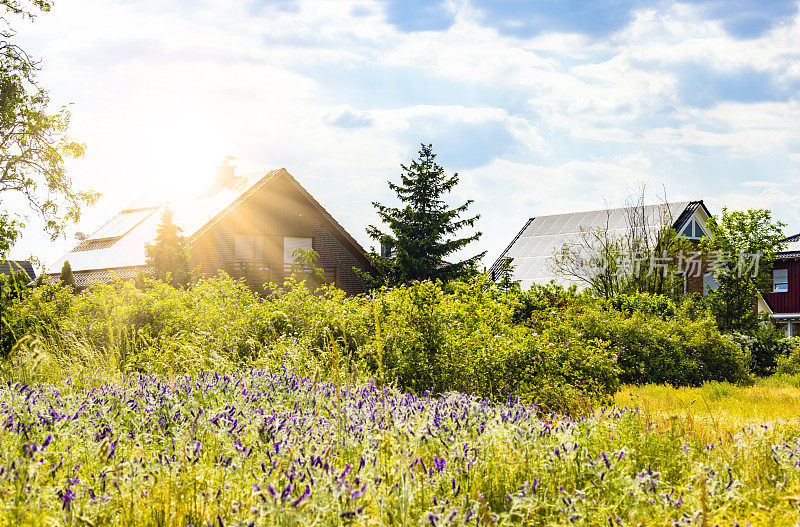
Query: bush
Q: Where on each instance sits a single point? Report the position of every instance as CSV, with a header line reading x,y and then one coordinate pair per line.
x,y
766,345
653,341
463,338
423,337
553,346
789,362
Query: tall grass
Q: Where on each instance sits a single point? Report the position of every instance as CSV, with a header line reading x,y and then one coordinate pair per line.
x,y
718,411
265,448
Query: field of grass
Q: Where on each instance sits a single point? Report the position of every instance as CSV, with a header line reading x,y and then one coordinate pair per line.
x,y
255,447
718,409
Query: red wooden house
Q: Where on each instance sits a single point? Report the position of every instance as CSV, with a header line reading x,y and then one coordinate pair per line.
x,y
784,300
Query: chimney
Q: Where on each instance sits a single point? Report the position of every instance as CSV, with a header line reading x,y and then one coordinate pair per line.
x,y
224,173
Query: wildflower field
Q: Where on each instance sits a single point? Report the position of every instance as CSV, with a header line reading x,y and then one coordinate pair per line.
x,y
258,447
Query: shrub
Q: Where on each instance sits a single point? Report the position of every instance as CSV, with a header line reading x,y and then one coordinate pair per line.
x,y
559,348
463,338
789,363
656,305
652,345
766,345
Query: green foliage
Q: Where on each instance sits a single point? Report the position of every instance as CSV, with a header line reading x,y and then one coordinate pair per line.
x,y
34,140
305,267
421,233
13,291
463,338
559,348
789,363
675,350
736,238
545,298
66,277
30,313
657,305
766,345
9,231
652,339
167,257
505,276
642,258
422,337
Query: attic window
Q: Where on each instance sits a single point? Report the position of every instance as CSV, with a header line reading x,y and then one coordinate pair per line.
x,y
693,230
291,244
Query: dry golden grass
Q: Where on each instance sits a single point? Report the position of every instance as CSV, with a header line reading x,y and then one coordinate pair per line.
x,y
716,411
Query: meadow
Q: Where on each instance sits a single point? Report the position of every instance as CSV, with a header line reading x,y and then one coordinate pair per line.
x,y
144,404
257,447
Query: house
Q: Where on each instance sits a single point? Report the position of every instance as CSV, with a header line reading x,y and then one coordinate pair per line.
x,y
248,226
531,250
25,266
784,298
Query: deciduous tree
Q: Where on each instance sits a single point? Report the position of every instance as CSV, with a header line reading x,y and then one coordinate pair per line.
x,y
744,243
33,138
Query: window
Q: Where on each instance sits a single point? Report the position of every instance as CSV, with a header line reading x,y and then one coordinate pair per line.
x,y
780,281
244,250
255,252
709,283
693,230
291,244
698,232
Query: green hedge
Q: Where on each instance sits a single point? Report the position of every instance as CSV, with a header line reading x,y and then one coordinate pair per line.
x,y
559,348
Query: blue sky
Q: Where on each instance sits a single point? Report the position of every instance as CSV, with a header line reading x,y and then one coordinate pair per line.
x,y
542,107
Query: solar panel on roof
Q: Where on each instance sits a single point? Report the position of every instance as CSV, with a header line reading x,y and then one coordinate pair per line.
x,y
120,224
574,221
522,267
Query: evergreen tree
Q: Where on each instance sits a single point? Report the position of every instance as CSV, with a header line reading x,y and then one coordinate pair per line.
x,y
421,234
168,257
66,277
505,279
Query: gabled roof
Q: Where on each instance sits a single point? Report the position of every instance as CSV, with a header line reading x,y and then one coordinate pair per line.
x,y
534,245
792,249
120,242
6,266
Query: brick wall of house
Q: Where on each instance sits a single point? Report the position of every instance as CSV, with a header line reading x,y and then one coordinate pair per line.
x,y
213,250
694,281
333,254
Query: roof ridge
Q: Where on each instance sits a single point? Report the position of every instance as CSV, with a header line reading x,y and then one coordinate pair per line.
x,y
687,202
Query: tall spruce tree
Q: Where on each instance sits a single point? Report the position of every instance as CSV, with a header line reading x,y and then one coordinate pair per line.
x,y
421,234
168,257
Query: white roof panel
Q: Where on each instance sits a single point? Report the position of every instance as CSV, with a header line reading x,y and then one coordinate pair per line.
x,y
128,251
532,251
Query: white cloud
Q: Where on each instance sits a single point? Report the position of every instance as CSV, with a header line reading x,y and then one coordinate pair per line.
x,y
332,91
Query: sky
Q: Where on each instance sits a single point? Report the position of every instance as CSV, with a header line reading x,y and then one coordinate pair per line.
x,y
540,107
